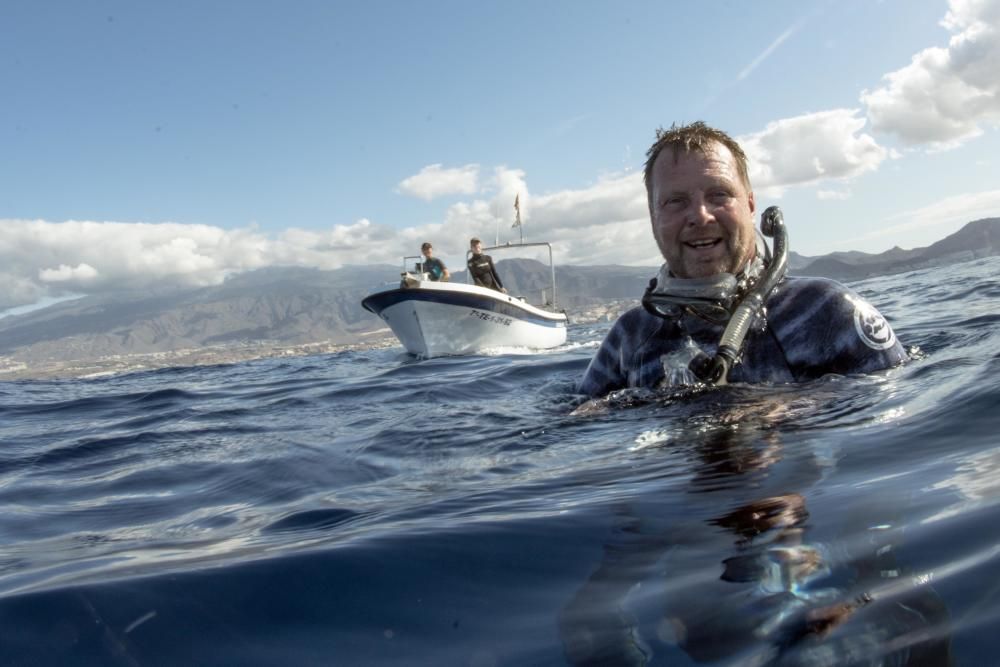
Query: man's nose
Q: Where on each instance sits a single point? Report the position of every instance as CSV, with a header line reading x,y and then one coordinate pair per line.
x,y
699,212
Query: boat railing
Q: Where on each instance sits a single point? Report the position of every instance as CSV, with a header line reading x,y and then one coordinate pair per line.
x,y
412,277
416,267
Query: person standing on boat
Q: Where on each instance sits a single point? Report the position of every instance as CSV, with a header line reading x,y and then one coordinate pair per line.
x,y
481,268
432,266
701,208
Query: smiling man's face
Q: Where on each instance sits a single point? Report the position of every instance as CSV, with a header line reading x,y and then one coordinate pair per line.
x,y
702,213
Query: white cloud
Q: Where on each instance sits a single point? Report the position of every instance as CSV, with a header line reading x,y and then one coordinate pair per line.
x,y
958,208
432,181
42,259
611,199
807,149
80,274
944,216
604,223
624,242
945,95
509,184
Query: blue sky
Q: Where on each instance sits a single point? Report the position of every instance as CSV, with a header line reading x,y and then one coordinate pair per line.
x,y
180,142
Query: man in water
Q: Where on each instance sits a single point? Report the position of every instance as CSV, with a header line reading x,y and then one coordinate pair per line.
x,y
481,268
701,207
433,266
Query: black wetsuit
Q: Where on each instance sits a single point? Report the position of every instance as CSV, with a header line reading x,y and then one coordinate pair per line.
x,y
483,272
434,268
814,326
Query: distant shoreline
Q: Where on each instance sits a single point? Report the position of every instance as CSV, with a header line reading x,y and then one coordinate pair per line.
x,y
13,369
85,369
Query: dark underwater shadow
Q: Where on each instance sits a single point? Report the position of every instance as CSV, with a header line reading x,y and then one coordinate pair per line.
x,y
734,577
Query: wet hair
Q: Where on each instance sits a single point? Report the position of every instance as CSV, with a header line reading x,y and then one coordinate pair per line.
x,y
426,245
687,139
474,241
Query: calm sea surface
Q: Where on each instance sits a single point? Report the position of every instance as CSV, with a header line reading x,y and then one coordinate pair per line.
x,y
367,508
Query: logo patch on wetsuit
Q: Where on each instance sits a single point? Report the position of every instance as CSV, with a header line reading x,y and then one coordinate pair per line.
x,y
874,331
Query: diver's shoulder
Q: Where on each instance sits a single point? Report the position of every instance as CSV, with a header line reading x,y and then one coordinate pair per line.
x,y
813,283
793,288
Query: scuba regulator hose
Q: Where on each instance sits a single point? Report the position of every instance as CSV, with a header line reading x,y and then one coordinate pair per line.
x,y
716,370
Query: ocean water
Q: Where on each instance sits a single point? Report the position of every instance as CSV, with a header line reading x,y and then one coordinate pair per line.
x,y
367,508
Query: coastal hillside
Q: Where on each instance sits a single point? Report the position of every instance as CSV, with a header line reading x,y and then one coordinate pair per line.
x,y
980,238
295,310
264,312
276,306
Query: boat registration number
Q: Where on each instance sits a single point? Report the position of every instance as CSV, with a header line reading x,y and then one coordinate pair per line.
x,y
491,317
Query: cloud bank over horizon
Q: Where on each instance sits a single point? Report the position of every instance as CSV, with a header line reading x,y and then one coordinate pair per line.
x,y
945,96
603,224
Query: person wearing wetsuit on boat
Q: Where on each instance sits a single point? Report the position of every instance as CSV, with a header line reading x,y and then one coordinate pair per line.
x,y
432,266
701,208
481,268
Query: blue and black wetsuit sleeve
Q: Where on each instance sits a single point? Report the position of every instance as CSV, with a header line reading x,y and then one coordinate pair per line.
x,y
824,327
628,356
604,374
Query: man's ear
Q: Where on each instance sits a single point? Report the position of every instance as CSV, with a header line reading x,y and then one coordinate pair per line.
x,y
753,205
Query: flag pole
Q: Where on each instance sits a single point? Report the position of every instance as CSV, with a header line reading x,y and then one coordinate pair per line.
x,y
517,216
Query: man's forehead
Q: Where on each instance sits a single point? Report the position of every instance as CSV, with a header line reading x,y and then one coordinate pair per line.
x,y
712,153
716,164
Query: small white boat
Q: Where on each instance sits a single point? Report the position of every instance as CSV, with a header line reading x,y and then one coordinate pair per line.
x,y
433,319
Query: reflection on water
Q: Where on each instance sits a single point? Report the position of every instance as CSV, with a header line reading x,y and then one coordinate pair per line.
x,y
778,597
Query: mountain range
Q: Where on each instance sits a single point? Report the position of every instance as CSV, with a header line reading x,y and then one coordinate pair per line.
x,y
291,310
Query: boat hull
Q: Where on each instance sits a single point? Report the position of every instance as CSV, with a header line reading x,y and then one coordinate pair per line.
x,y
438,319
